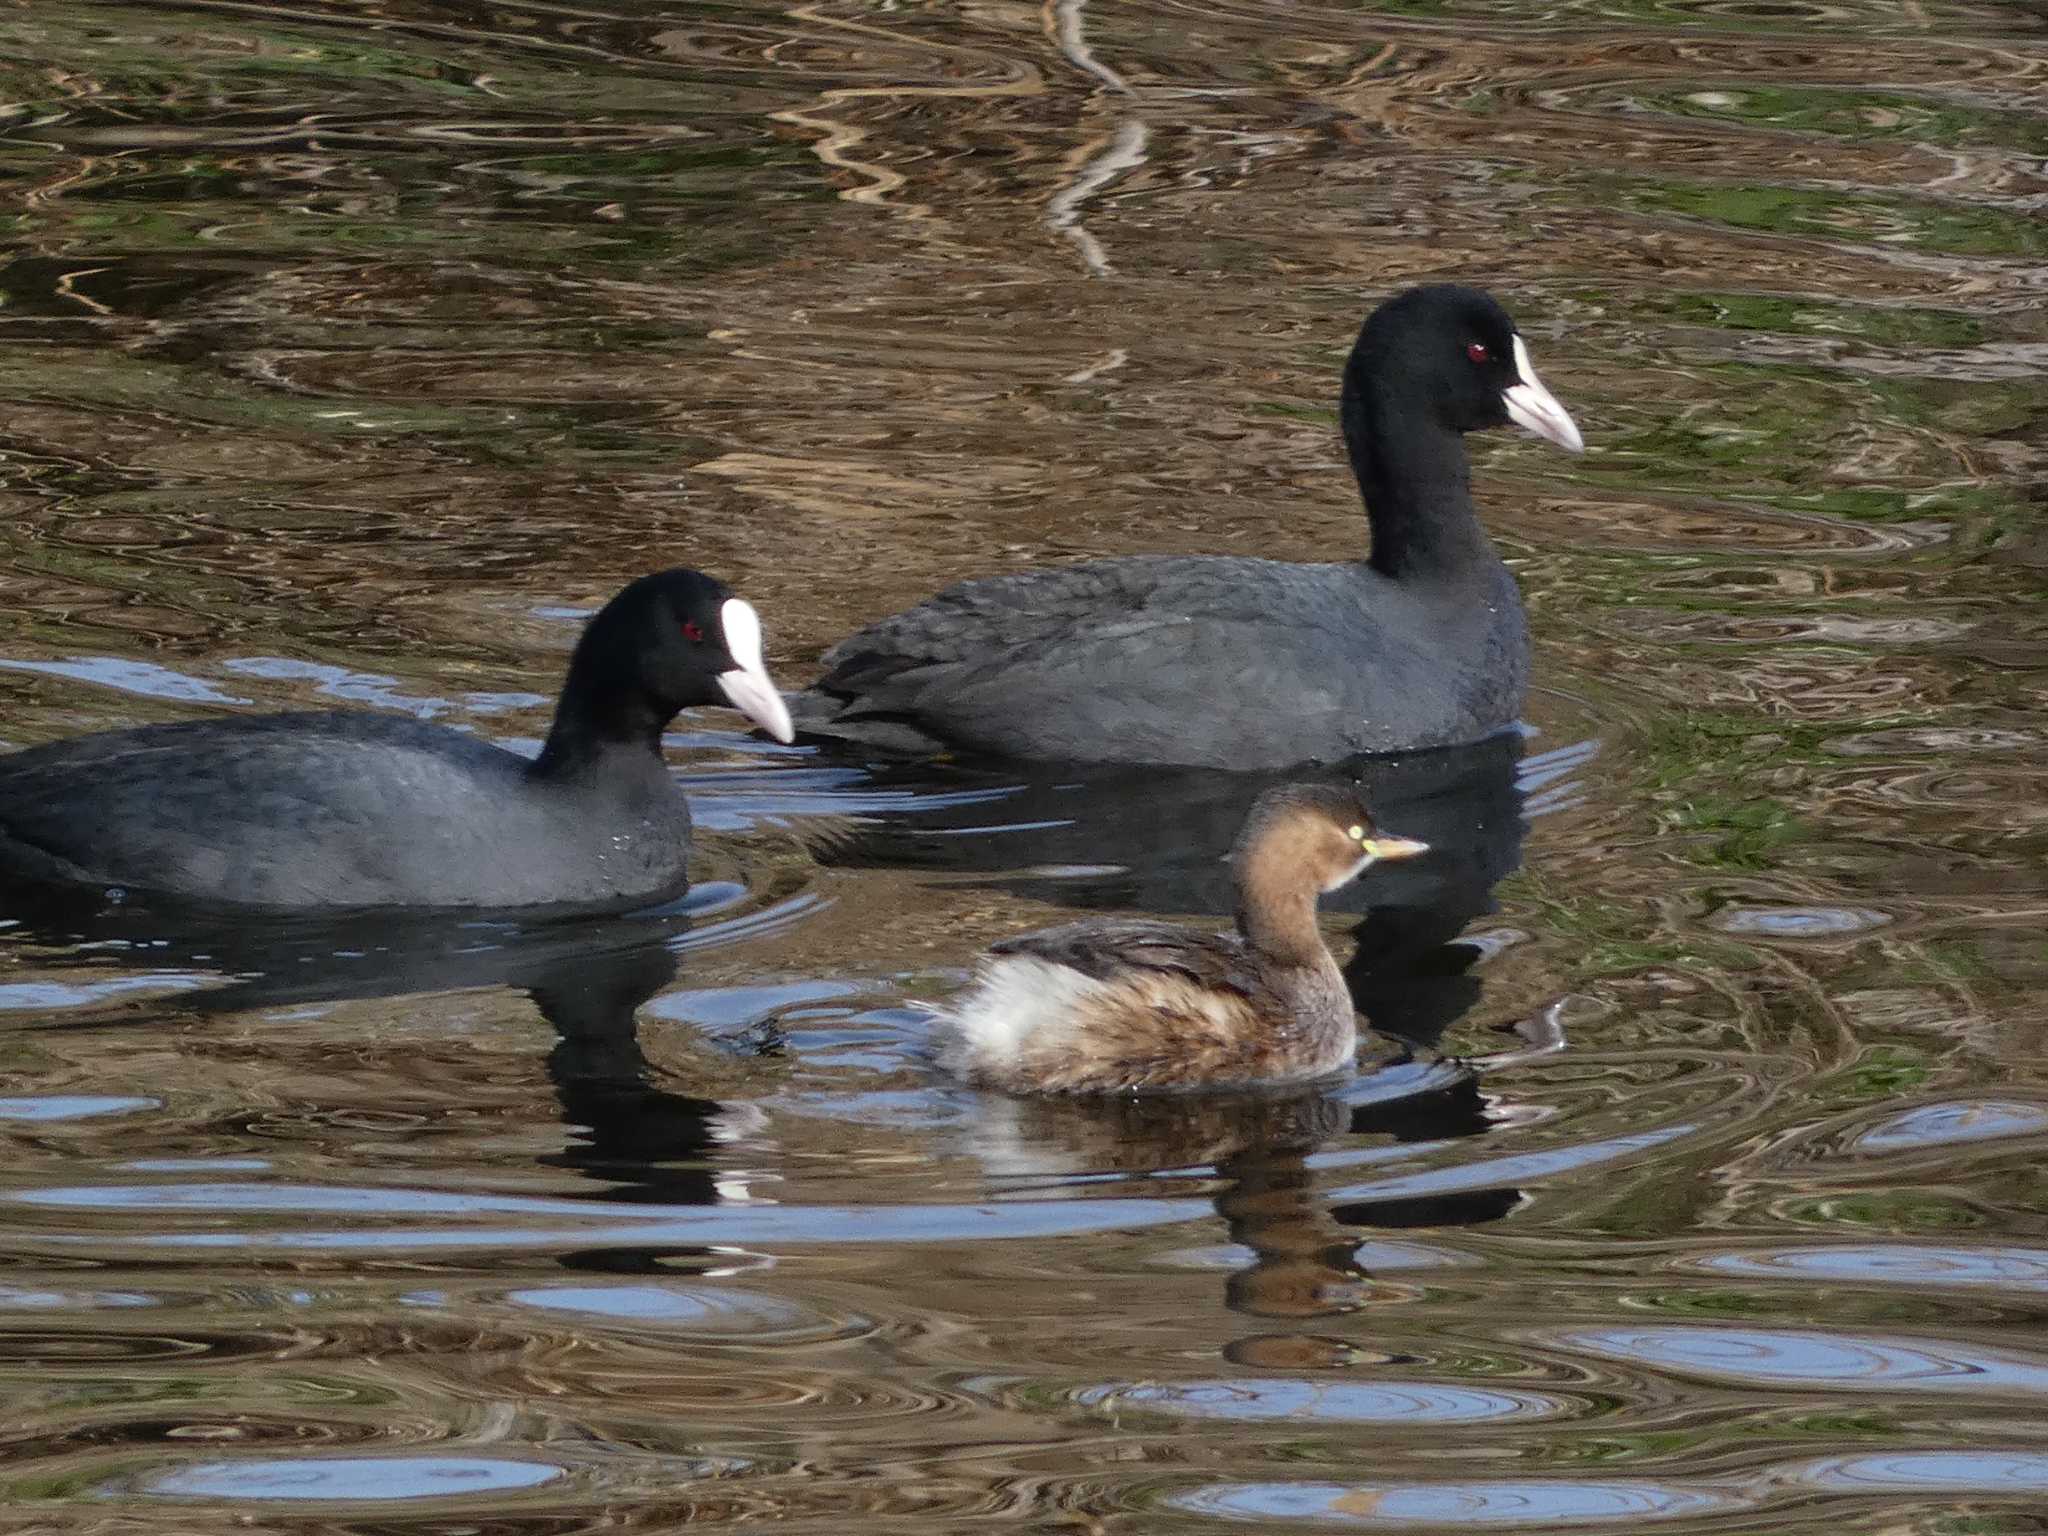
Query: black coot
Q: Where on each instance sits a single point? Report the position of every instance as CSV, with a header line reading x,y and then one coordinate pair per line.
x,y
1229,662
363,810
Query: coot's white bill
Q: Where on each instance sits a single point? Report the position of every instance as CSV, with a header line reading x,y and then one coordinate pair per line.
x,y
1535,408
752,691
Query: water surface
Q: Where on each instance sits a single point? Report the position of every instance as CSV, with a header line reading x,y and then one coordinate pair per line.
x,y
354,351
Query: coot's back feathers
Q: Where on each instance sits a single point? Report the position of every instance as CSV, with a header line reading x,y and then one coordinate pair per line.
x,y
354,809
1230,662
1201,661
327,809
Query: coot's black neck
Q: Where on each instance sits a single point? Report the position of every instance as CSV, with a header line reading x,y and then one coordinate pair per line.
x,y
1417,483
606,725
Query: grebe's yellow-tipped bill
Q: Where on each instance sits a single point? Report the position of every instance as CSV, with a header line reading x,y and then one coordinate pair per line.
x,y
1382,849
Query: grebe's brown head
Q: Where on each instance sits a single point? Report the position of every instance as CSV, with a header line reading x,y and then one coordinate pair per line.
x,y
1321,833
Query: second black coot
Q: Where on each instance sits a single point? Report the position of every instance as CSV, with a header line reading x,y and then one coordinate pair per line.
x,y
1231,662
352,809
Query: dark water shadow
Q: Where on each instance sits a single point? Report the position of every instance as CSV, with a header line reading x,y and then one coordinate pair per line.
x,y
238,962
1155,840
588,977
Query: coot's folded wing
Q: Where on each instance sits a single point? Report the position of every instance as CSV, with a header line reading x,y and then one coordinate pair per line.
x,y
243,808
1003,618
1202,660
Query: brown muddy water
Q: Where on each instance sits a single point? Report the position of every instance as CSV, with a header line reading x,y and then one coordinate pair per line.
x,y
352,350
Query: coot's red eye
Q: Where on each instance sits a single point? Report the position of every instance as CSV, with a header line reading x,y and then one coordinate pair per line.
x,y
692,630
1476,350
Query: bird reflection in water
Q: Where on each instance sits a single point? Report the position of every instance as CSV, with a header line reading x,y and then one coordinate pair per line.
x,y
588,977
1303,1254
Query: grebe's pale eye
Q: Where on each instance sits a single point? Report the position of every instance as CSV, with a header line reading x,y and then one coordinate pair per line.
x,y
1355,833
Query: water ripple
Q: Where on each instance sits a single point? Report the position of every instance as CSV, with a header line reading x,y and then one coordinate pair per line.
x,y
1377,1402
695,1311
1512,1169
1968,1473
1799,922
552,1223
1535,1502
1934,1125
146,678
2005,1269
46,1108
352,1479
1838,1362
